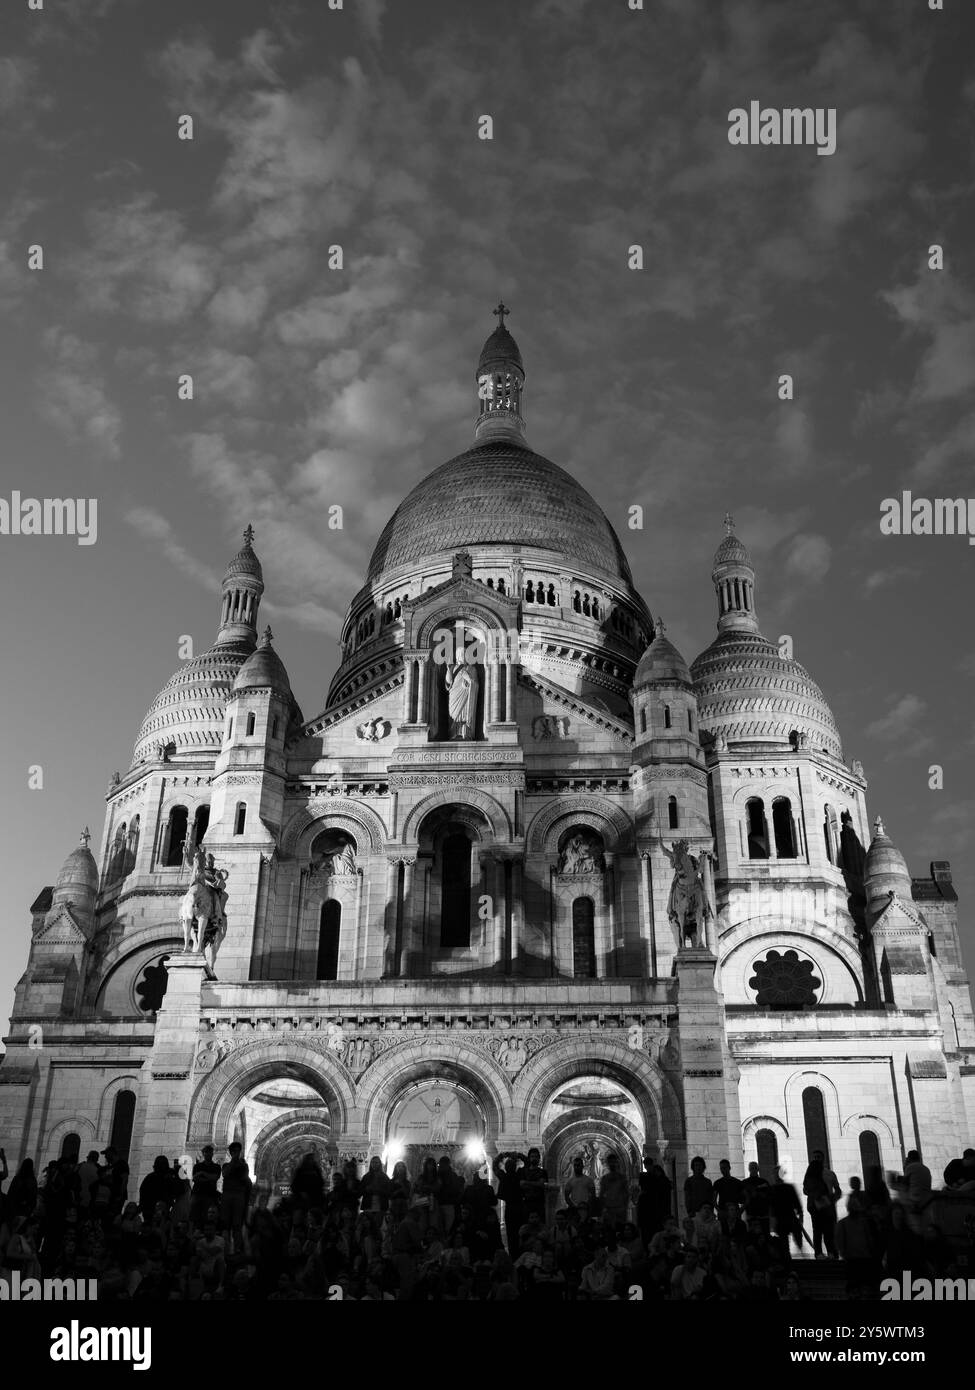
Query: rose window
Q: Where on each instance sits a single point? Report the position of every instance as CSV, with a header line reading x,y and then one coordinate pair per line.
x,y
783,980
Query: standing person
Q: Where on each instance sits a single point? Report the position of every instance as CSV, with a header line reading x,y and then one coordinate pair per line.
x,y
786,1210
822,1191
236,1189
448,1201
4,1174
654,1203
580,1190
308,1183
22,1197
425,1193
614,1193
729,1191
157,1187
206,1175
755,1192
533,1184
87,1174
375,1188
698,1189
917,1179
117,1171
507,1170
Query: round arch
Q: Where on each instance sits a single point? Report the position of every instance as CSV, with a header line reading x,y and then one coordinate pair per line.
x,y
82,1127
613,824
562,1137
231,1080
448,613
441,1060
561,1062
361,822
756,929
492,810
132,955
106,1106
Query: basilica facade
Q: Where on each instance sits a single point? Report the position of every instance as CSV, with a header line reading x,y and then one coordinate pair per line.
x,y
528,878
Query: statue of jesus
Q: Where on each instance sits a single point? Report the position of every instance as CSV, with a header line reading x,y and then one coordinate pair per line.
x,y
462,682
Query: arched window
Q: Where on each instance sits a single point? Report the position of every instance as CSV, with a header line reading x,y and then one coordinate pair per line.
x,y
251,722
783,828
673,820
230,728
869,1153
551,596
71,1146
328,941
583,939
200,823
240,818
490,583
667,716
756,828
690,720
131,845
586,605
175,836
123,1115
767,1153
814,1121
530,592
831,834
275,725
595,608
501,588
577,602
397,610
643,721
455,917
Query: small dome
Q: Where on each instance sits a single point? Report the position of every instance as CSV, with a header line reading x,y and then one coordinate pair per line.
x,y
264,669
731,551
245,561
77,879
661,662
190,710
885,869
749,692
499,349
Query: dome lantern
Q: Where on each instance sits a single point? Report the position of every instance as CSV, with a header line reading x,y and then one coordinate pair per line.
x,y
734,583
243,585
500,382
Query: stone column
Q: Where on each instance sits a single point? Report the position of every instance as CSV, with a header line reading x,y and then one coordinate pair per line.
x,y
494,690
408,958
391,945
647,887
510,713
517,911
409,685
168,1089
609,898
498,920
423,696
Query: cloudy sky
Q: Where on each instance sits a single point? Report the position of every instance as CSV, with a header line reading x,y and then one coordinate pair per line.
x,y
359,127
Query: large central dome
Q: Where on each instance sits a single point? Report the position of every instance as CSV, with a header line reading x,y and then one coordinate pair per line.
x,y
499,493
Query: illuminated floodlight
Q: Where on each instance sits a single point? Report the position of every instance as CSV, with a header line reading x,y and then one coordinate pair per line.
x,y
474,1152
393,1152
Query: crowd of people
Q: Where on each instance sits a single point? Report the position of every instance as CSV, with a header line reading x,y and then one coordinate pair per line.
x,y
195,1231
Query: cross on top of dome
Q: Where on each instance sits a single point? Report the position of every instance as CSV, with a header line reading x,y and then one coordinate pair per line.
x,y
500,312
729,523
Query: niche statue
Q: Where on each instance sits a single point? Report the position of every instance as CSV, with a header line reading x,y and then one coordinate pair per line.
x,y
462,682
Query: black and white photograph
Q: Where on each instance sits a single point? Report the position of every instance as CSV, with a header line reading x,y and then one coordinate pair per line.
x,y
487,762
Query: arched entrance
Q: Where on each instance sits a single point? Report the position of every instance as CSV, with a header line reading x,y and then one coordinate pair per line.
x,y
592,1117
278,1122
436,1118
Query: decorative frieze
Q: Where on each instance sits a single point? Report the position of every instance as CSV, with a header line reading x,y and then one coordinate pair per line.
x,y
456,779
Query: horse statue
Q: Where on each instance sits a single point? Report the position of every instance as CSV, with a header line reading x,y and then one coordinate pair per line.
x,y
203,910
690,904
